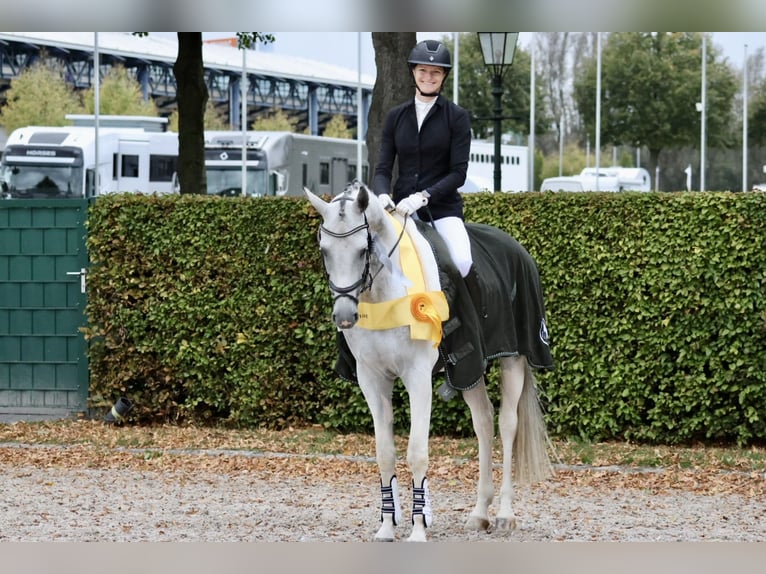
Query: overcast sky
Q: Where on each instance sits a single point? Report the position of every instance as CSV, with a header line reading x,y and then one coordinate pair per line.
x,y
341,48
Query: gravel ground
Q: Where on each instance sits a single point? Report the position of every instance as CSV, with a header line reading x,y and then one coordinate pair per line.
x,y
66,494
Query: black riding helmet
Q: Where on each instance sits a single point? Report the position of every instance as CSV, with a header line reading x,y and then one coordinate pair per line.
x,y
431,53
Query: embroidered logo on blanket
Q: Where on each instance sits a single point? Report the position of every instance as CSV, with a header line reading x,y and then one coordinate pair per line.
x,y
544,333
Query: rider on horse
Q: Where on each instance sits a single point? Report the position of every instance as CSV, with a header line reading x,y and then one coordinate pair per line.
x,y
431,138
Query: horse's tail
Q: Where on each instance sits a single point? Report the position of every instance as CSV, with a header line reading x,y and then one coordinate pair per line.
x,y
530,447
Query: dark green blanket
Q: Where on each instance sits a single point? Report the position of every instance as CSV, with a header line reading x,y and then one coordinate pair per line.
x,y
513,297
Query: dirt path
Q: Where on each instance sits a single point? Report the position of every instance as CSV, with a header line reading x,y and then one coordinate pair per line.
x,y
82,493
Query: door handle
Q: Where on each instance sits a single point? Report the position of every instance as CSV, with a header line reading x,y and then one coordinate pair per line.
x,y
81,273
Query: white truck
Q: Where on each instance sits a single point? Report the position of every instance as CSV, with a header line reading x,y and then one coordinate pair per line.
x,y
628,178
603,179
60,162
280,163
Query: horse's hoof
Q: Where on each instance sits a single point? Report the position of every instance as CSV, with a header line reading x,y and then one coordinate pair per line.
x,y
505,524
385,534
478,524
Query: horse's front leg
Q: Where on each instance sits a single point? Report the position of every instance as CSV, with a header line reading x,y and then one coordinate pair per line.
x,y
377,391
482,415
419,390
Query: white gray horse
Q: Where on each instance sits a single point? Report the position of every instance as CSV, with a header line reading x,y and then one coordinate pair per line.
x,y
360,244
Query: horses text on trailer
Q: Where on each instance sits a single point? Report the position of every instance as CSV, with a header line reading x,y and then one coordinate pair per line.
x,y
60,162
481,168
280,163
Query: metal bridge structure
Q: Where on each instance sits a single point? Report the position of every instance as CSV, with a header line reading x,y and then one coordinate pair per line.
x,y
307,91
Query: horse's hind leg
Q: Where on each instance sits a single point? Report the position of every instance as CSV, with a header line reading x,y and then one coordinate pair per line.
x,y
482,415
512,373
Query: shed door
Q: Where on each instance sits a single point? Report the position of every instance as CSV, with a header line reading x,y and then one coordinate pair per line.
x,y
43,362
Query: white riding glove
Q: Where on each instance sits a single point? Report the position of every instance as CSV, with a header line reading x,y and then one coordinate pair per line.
x,y
412,203
386,202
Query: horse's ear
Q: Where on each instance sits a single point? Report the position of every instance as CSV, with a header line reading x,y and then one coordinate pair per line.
x,y
319,204
363,198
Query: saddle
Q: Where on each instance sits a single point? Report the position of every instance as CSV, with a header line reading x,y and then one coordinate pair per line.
x,y
511,291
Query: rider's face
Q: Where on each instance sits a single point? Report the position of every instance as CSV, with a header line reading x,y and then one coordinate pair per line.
x,y
429,79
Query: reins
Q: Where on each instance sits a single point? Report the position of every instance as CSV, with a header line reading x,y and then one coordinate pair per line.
x,y
391,252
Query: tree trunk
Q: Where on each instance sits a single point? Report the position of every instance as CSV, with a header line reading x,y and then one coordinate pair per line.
x,y
192,96
393,85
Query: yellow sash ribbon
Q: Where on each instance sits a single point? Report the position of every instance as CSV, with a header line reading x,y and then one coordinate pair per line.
x,y
423,311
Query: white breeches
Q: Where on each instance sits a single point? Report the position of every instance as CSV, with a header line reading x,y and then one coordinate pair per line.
x,y
452,230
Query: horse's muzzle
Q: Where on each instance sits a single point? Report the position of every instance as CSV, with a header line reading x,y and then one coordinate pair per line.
x,y
345,313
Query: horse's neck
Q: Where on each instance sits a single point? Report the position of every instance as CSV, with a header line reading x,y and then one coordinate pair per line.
x,y
388,286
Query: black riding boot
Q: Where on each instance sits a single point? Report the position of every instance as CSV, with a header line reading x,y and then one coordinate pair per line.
x,y
474,289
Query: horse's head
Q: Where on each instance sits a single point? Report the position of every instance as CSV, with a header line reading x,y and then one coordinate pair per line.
x,y
349,222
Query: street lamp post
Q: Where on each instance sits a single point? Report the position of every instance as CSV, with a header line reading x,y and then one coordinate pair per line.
x,y
498,49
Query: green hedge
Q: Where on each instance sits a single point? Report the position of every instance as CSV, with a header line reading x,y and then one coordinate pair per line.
x,y
217,310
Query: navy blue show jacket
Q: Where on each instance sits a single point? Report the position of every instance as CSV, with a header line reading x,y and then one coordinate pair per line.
x,y
434,159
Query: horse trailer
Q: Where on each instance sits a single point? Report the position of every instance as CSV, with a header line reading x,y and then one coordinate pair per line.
x,y
603,179
280,163
628,178
60,162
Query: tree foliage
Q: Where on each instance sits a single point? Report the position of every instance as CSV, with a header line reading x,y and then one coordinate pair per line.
x,y
337,128
119,94
276,120
214,119
572,160
559,57
757,117
248,40
38,96
650,83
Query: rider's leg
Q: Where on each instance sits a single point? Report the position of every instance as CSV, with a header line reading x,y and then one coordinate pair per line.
x,y
452,230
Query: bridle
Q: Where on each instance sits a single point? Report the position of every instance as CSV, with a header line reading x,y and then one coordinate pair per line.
x,y
364,283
